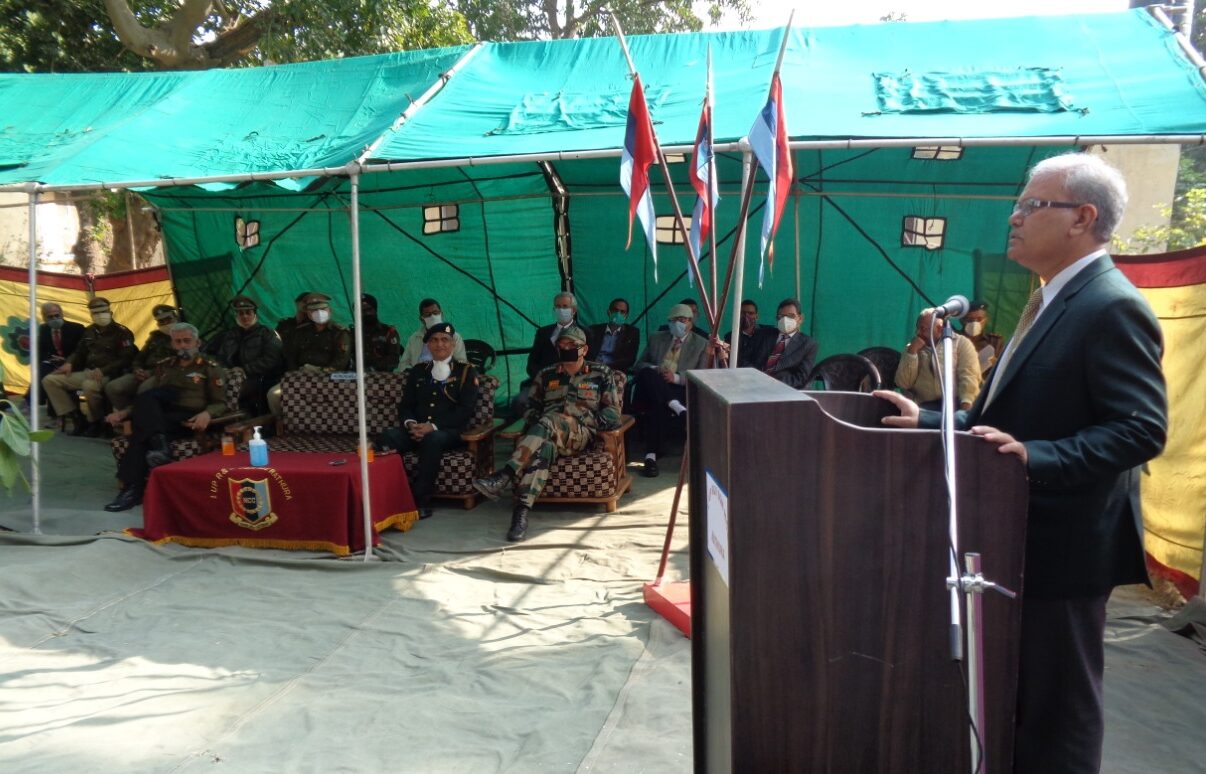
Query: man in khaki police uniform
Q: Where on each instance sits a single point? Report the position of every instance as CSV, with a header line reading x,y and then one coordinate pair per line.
x,y
158,345
105,351
317,345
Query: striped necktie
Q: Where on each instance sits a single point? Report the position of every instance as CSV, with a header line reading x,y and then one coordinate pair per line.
x,y
1025,322
776,353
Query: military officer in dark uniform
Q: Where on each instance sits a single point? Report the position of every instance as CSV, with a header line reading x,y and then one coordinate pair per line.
x,y
186,393
318,345
121,391
571,402
286,327
252,347
382,348
437,406
106,350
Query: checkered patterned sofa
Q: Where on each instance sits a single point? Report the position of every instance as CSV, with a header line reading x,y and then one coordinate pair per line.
x,y
204,441
598,475
318,414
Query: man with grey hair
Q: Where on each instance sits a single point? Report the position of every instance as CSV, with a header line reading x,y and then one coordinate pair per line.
x,y
544,346
57,339
187,392
1077,397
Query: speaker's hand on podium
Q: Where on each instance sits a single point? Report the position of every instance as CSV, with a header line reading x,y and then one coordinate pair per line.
x,y
908,409
1006,443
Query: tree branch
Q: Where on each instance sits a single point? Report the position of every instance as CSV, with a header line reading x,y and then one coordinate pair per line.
x,y
236,43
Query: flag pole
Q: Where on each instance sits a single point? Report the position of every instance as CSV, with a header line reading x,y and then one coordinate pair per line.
x,y
709,311
713,182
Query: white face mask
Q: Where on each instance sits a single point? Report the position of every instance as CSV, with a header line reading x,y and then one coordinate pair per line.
x,y
441,369
433,319
320,316
974,328
166,328
678,328
788,324
565,315
102,318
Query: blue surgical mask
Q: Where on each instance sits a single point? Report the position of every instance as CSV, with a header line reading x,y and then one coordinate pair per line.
x,y
617,318
678,328
565,315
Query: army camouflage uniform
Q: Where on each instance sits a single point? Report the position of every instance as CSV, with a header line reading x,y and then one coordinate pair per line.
x,y
121,390
110,349
564,414
382,347
180,389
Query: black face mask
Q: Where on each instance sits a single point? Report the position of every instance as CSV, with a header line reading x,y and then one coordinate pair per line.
x,y
567,355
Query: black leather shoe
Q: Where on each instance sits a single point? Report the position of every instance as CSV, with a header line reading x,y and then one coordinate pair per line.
x,y
493,485
424,512
519,524
650,470
129,497
79,424
95,430
158,451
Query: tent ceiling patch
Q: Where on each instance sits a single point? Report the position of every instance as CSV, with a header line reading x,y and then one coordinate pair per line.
x,y
545,112
1017,90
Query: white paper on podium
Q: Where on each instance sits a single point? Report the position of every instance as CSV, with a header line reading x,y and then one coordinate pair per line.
x,y
718,525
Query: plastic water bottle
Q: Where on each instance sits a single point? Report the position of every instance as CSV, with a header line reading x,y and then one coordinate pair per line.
x,y
259,450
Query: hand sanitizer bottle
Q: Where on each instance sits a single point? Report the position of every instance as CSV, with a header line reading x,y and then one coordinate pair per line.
x,y
259,450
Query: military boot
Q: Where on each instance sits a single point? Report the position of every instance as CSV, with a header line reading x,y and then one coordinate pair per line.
x,y
493,485
519,524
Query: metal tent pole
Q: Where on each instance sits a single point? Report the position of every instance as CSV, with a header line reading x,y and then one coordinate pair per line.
x,y
366,503
35,397
747,182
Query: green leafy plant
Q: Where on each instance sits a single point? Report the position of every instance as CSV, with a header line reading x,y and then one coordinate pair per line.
x,y
15,440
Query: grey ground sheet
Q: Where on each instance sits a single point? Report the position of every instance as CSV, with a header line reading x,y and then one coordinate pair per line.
x,y
454,652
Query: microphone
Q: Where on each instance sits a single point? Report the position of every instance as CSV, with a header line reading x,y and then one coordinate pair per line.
x,y
955,306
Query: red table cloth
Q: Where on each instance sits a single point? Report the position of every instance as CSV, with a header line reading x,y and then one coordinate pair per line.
x,y
300,501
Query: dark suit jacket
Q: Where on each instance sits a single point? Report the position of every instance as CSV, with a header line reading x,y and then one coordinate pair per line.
x,y
72,332
795,364
544,351
627,348
754,348
1086,395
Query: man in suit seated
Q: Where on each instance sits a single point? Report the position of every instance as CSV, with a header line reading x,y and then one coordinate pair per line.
x,y
792,352
1079,399
57,340
571,402
615,343
436,407
661,381
755,340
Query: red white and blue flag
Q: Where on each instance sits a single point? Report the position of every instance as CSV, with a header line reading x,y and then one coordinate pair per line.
x,y
707,190
768,137
639,155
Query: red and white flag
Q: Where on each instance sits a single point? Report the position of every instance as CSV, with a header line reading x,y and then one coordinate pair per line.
x,y
639,155
768,138
707,190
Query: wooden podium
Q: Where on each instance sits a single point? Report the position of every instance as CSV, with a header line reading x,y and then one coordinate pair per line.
x,y
820,612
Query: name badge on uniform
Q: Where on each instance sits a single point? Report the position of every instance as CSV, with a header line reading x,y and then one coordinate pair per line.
x,y
196,377
554,384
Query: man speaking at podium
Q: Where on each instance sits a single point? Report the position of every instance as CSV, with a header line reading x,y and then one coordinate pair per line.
x,y
1079,397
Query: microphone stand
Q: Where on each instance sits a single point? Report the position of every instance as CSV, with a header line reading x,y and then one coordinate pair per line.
x,y
971,583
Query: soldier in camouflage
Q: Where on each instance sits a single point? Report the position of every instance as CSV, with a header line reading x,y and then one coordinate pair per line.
x,y
571,401
106,350
186,394
158,346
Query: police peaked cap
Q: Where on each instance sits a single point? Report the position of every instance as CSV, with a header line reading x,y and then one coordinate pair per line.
x,y
439,328
163,311
98,304
243,304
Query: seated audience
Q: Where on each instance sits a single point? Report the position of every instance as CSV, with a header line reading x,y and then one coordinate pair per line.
x,y
57,340
416,350
286,327
920,369
571,401
544,347
252,347
792,353
698,330
660,379
106,350
121,390
185,394
615,343
382,347
975,327
436,407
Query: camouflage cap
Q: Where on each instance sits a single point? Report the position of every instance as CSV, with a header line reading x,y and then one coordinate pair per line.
x,y
573,333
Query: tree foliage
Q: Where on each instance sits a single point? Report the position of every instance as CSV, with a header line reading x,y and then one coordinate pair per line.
x,y
503,20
